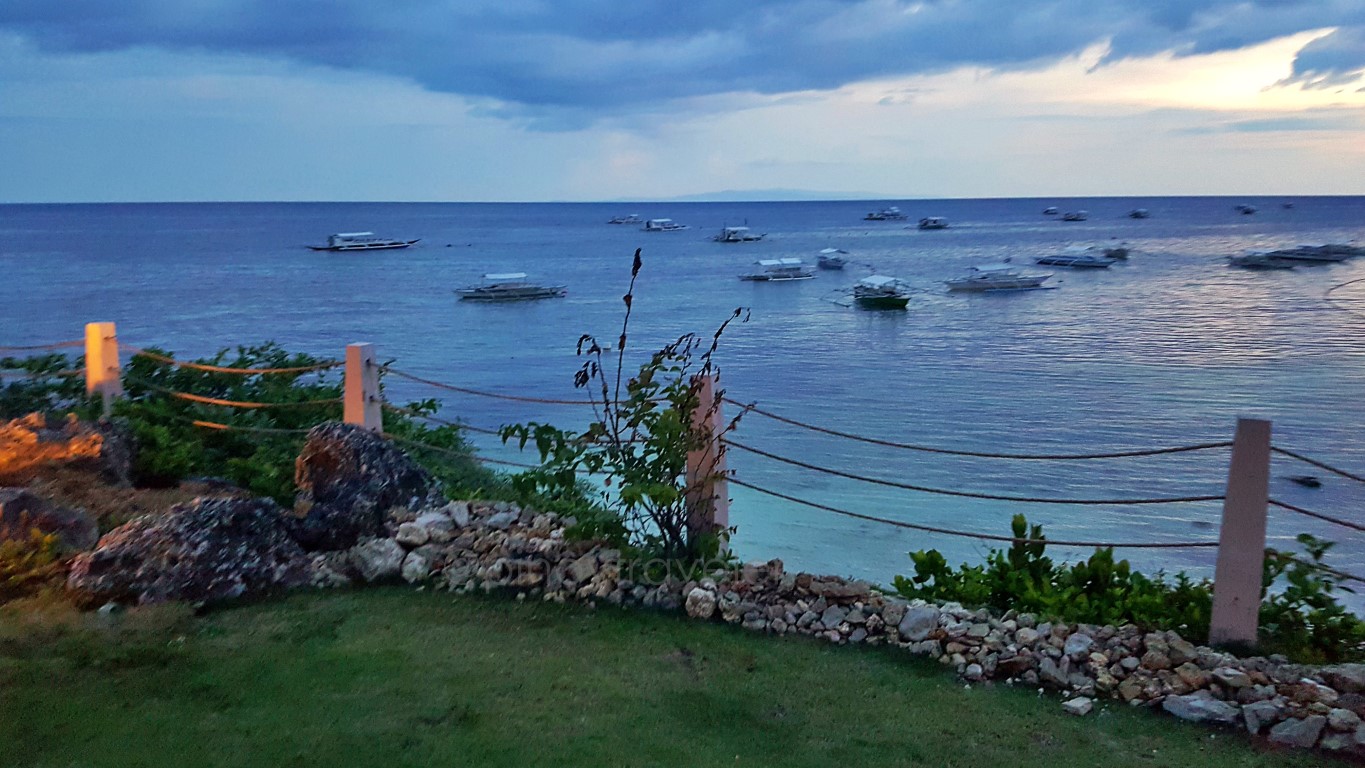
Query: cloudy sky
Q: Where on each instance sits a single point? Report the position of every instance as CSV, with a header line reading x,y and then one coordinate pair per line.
x,y
137,100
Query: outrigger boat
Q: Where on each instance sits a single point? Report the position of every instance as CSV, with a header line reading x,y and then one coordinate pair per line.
x,y
933,222
886,214
633,218
361,241
829,258
662,225
779,271
509,286
737,235
1078,257
881,292
997,277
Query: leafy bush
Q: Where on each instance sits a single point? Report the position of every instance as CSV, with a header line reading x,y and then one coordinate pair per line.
x,y
638,444
1303,620
28,565
46,393
1095,591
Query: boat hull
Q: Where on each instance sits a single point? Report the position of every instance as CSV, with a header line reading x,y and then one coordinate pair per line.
x,y
529,294
387,246
882,302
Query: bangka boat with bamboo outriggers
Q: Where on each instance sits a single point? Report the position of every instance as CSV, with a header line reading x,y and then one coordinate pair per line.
x,y
509,286
361,241
998,277
779,271
737,235
831,258
881,292
886,214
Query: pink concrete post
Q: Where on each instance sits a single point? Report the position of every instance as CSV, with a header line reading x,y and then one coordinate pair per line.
x,y
102,371
362,404
1241,542
708,492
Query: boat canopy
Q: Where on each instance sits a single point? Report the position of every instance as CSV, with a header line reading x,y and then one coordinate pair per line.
x,y
833,250
879,281
501,277
353,234
779,262
736,229
660,221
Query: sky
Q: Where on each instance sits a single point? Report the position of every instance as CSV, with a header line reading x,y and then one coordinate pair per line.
x,y
523,100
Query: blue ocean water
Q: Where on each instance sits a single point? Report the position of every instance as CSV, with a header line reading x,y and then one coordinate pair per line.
x,y
1166,349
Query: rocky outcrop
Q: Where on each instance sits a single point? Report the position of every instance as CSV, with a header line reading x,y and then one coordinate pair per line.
x,y
209,549
349,480
29,444
21,512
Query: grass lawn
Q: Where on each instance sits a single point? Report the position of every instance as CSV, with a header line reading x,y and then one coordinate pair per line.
x,y
393,677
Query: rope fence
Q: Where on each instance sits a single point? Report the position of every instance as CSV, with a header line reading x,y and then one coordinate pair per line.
x,y
1318,515
481,393
971,535
1318,464
139,352
244,404
967,494
750,408
45,347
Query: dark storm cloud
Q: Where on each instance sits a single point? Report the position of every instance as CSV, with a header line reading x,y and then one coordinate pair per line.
x,y
592,56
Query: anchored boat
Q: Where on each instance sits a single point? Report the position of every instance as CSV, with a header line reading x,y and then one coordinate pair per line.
x,y
881,292
737,235
509,286
662,225
830,258
779,271
361,241
997,277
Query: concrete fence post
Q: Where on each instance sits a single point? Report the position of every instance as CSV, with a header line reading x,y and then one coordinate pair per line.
x,y
363,405
1241,541
103,374
708,491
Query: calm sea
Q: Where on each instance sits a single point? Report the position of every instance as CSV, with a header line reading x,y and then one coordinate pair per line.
x,y
1166,349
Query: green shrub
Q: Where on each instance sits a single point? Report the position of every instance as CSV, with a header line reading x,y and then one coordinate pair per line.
x,y
1302,619
28,565
47,393
638,443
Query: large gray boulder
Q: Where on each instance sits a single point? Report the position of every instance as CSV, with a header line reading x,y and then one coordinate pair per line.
x,y
349,478
204,550
21,512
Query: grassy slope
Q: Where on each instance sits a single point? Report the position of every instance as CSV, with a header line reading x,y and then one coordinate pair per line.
x,y
395,678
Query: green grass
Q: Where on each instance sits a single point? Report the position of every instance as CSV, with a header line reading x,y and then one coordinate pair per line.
x,y
393,677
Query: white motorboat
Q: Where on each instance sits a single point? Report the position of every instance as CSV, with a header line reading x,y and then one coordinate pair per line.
x,y
663,225
998,277
886,214
737,235
830,258
933,222
1051,210
361,241
881,292
509,286
1079,257
633,218
1258,260
1075,215
779,271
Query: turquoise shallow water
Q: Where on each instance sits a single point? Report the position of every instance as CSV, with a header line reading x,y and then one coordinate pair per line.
x,y
1169,348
